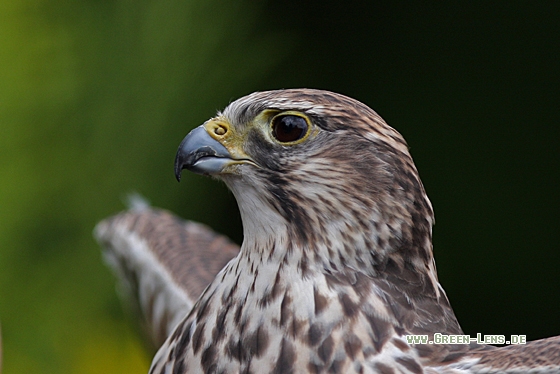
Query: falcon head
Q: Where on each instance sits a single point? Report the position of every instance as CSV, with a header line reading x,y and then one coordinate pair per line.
x,y
320,175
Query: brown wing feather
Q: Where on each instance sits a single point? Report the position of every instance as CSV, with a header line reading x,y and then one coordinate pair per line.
x,y
538,356
163,263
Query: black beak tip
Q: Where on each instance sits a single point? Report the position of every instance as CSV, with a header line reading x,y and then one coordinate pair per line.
x,y
178,175
179,166
179,162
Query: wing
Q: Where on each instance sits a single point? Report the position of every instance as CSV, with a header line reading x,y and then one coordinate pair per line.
x,y
538,356
163,263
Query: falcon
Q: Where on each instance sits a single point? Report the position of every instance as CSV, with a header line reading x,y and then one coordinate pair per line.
x,y
336,267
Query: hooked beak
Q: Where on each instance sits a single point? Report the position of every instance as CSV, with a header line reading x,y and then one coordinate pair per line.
x,y
203,150
200,153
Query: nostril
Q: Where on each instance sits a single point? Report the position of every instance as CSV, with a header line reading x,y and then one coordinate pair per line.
x,y
220,130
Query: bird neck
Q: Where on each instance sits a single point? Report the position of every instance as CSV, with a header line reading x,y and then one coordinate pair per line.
x,y
376,250
372,235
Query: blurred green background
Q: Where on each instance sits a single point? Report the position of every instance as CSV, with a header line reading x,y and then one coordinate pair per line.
x,y
95,97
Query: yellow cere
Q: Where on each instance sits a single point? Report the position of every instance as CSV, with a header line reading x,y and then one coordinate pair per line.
x,y
221,130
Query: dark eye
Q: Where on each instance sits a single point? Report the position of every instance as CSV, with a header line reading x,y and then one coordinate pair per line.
x,y
289,128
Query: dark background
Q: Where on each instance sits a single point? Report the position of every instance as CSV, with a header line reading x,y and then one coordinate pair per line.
x,y
95,97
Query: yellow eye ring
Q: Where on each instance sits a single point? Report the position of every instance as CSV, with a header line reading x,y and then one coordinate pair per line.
x,y
290,127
